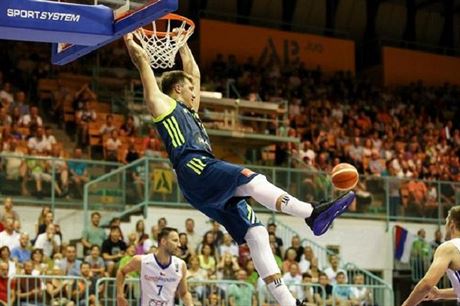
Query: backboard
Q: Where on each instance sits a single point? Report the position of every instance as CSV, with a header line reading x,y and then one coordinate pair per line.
x,y
76,29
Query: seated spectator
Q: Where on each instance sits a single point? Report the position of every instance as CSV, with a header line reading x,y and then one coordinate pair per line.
x,y
228,246
289,259
36,168
342,293
49,136
113,249
40,267
306,259
29,290
8,211
152,145
61,171
78,171
112,147
324,282
130,252
21,253
15,166
5,118
49,241
4,299
20,103
184,252
271,228
93,234
297,246
9,237
95,261
59,290
70,265
5,256
227,267
207,259
252,273
308,291
78,287
31,120
360,295
84,94
39,142
293,281
108,126
131,154
314,270
49,219
241,295
6,94
128,128
195,272
418,193
333,269
153,241
82,118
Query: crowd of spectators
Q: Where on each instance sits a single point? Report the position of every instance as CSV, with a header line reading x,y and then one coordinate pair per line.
x,y
407,132
211,256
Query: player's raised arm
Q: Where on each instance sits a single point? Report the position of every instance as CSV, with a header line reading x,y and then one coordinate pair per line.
x,y
191,67
183,288
157,102
441,261
133,265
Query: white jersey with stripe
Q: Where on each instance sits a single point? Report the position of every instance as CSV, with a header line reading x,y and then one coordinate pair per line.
x,y
454,276
159,283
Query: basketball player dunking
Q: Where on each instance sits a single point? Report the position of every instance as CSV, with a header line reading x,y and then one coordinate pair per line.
x,y
161,274
217,188
446,260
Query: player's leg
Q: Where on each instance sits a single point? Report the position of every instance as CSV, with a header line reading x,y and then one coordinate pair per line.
x,y
318,217
265,264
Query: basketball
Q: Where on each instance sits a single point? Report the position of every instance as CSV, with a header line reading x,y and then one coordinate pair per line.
x,y
344,176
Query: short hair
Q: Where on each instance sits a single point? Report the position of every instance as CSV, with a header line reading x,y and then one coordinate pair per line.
x,y
306,274
190,219
85,263
454,216
165,232
96,213
340,273
95,246
271,224
171,78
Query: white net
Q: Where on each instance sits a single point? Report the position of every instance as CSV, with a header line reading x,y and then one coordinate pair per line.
x,y
161,46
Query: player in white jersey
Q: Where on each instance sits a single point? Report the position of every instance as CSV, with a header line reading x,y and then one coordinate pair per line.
x,y
161,274
446,260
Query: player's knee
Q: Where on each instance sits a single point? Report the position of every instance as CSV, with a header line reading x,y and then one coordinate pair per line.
x,y
257,233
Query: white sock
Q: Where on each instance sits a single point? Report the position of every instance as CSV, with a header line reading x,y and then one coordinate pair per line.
x,y
268,194
281,293
265,264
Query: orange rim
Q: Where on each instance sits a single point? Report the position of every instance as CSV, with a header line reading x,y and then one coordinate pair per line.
x,y
170,16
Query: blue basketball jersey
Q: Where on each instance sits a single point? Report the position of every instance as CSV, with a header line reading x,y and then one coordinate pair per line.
x,y
183,133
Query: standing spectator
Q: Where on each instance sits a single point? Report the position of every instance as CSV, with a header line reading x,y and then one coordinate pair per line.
x,y
9,237
49,241
193,238
113,249
93,235
333,269
96,261
70,264
241,295
21,253
4,286
78,171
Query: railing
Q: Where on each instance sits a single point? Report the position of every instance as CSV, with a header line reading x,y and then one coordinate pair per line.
x,y
313,293
366,295
48,290
202,292
47,180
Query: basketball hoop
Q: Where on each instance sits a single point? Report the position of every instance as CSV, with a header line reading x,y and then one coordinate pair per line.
x,y
167,36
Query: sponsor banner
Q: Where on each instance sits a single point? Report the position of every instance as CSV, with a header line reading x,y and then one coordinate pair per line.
x,y
402,66
268,45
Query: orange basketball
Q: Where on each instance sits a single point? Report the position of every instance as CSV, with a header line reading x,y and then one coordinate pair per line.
x,y
344,176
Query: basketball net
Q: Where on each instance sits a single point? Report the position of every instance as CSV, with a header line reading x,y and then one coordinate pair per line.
x,y
162,46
